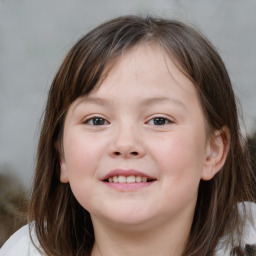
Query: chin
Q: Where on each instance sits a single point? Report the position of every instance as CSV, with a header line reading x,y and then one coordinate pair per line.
x,y
126,219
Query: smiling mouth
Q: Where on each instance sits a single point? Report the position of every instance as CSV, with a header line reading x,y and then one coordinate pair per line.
x,y
128,179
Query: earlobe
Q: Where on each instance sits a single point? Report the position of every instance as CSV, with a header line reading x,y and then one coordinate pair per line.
x,y
216,153
63,167
63,172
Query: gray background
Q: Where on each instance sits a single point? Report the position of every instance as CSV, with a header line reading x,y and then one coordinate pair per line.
x,y
35,36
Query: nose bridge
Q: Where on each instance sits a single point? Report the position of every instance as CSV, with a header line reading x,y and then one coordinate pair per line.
x,y
127,141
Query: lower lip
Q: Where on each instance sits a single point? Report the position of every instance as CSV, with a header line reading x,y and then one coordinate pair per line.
x,y
128,186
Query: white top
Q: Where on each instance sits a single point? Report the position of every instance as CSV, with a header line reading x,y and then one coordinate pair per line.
x,y
20,244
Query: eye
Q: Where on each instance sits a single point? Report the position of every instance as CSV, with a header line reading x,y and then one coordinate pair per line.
x,y
96,121
159,121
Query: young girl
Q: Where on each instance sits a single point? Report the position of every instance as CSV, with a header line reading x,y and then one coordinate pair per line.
x,y
140,150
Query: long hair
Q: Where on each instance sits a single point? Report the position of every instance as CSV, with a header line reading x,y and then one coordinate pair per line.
x,y
62,226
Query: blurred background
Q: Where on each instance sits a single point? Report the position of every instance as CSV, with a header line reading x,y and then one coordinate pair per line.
x,y
35,36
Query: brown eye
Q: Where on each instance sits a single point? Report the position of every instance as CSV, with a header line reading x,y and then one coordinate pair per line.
x,y
96,121
159,121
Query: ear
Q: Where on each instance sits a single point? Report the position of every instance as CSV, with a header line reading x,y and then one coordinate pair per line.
x,y
217,149
63,171
63,166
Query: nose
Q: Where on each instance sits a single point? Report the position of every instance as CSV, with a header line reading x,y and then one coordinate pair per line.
x,y
127,143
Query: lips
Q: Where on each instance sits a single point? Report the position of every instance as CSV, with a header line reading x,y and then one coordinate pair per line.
x,y
127,180
127,176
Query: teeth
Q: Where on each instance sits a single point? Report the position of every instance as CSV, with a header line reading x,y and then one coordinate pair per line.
x,y
121,179
138,179
144,179
129,179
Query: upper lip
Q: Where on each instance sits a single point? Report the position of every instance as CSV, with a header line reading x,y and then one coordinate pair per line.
x,y
126,173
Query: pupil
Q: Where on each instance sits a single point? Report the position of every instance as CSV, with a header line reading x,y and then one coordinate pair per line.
x,y
98,121
159,121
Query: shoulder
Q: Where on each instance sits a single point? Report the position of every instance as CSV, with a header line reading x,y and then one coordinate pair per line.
x,y
20,244
250,225
249,233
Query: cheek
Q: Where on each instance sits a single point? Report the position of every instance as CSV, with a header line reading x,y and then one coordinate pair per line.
x,y
82,156
181,163
181,160
181,151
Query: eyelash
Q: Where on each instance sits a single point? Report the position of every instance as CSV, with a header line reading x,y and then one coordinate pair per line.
x,y
99,121
163,121
95,120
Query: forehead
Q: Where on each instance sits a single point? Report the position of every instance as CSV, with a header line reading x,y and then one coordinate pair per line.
x,y
145,63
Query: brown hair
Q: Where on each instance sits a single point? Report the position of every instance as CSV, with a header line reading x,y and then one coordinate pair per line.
x,y
62,226
13,205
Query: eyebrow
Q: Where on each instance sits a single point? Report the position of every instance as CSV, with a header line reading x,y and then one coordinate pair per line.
x,y
155,100
94,100
144,102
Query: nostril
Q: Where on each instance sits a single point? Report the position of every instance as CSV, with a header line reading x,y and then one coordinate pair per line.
x,y
134,153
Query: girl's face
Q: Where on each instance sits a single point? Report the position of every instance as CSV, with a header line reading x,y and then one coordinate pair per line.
x,y
135,148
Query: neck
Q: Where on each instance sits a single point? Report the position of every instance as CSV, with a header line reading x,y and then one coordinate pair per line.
x,y
164,240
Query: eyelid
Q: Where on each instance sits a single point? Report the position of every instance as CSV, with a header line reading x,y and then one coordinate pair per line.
x,y
91,117
168,118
